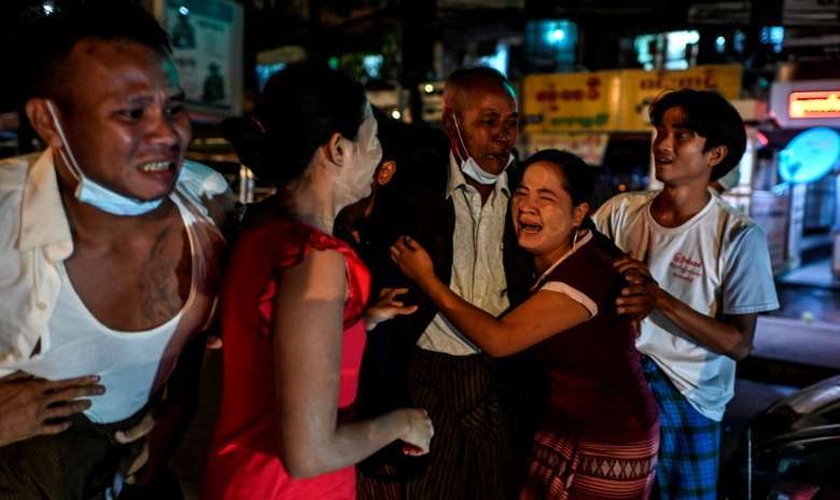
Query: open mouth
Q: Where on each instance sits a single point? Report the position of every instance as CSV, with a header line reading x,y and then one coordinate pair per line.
x,y
157,166
497,156
660,160
529,228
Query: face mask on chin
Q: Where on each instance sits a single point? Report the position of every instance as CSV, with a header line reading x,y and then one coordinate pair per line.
x,y
471,168
88,191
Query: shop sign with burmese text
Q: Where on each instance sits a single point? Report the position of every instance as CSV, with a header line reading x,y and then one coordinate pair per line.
x,y
606,101
571,102
640,88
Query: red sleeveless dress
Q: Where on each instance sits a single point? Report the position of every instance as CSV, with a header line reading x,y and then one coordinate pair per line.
x,y
243,460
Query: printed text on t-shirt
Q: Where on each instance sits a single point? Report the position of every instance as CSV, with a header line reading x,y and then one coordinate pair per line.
x,y
684,268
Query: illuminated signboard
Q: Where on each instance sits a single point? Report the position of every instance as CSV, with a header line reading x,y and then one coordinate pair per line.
x,y
806,103
810,155
825,104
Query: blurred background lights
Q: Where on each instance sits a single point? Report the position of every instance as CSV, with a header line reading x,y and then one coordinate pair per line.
x,y
720,44
556,35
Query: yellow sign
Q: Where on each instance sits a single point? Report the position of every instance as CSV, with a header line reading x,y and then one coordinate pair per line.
x,y
613,100
818,104
572,102
640,88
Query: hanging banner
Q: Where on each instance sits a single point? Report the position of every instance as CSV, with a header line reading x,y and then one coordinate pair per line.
x,y
206,38
640,88
571,102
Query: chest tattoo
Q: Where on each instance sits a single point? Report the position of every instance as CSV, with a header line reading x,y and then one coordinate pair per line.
x,y
164,282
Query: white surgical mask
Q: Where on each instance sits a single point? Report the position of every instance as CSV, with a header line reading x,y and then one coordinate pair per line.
x,y
88,191
471,168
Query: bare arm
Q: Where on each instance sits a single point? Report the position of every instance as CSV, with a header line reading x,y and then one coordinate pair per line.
x,y
543,315
731,336
307,352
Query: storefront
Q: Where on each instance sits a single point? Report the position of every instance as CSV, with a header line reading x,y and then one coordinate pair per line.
x,y
800,163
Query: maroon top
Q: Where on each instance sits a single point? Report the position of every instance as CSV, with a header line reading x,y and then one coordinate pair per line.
x,y
596,381
243,460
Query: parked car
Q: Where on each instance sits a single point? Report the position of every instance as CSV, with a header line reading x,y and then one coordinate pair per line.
x,y
791,450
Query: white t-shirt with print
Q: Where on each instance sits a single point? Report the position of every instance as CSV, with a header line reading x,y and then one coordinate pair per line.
x,y
717,263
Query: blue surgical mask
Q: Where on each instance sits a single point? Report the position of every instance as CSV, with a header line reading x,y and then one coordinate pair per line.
x,y
470,167
88,191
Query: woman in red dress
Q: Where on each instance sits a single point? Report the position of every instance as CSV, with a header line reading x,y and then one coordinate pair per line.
x,y
293,305
598,435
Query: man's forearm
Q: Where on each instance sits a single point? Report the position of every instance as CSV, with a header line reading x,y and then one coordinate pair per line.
x,y
718,336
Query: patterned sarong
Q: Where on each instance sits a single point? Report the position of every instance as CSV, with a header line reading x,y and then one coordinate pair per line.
x,y
690,443
570,467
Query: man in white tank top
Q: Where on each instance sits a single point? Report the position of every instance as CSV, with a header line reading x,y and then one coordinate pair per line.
x,y
109,247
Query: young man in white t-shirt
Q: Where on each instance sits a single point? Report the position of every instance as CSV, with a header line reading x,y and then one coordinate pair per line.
x,y
710,275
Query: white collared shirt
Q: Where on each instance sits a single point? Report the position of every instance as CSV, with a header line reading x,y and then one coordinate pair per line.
x,y
478,274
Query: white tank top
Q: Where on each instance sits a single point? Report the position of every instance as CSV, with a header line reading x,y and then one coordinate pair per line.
x,y
132,365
